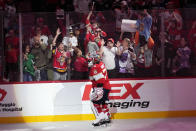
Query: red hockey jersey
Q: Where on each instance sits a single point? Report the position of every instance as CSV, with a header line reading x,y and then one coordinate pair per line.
x,y
98,74
59,62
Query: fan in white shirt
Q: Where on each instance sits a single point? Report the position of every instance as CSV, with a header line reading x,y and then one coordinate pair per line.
x,y
70,41
108,57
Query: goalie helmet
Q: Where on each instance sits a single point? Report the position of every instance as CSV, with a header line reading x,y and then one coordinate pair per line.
x,y
94,58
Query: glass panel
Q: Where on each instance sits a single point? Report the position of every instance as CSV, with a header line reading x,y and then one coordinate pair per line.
x,y
130,62
136,56
38,32
179,31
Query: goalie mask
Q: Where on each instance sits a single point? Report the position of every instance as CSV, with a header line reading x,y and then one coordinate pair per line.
x,y
94,58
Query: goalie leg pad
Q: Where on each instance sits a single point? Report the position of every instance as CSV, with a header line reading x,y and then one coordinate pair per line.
x,y
106,111
96,108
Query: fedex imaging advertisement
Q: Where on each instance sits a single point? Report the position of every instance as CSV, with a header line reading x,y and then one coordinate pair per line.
x,y
133,96
148,95
65,98
122,96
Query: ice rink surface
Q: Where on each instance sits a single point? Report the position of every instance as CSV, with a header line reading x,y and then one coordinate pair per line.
x,y
170,124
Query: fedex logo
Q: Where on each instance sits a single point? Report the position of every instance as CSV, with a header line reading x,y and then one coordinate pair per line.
x,y
118,91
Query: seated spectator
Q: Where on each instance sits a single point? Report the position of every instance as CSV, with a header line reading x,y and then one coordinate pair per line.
x,y
182,59
108,54
127,57
38,51
80,65
28,65
60,59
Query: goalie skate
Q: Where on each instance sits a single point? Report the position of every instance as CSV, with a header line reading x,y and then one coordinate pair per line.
x,y
98,122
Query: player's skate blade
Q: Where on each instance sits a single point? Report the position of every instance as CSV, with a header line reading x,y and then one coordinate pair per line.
x,y
98,123
108,121
102,123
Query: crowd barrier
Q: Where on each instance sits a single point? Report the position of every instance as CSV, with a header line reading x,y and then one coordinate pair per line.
x,y
69,100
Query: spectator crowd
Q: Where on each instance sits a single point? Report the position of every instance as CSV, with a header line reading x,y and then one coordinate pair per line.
x,y
163,41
